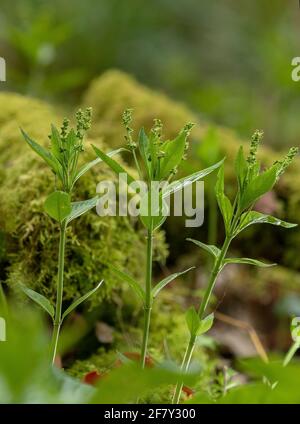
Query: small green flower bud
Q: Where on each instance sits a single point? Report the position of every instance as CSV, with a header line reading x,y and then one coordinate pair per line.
x,y
127,119
187,128
64,128
255,141
286,161
83,122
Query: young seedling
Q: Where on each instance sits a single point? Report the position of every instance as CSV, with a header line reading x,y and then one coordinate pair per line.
x,y
156,162
62,157
251,185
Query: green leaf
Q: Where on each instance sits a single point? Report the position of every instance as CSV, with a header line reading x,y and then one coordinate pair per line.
x,y
43,153
159,286
71,142
193,320
186,181
115,166
153,156
56,143
39,299
241,167
94,162
79,208
195,325
258,187
144,150
253,217
248,261
206,324
213,250
58,205
223,201
80,300
131,281
174,150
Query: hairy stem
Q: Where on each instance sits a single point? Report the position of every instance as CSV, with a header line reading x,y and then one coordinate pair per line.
x,y
59,293
204,303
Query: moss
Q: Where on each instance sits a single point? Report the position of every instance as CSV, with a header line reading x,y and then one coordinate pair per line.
x,y
113,92
19,111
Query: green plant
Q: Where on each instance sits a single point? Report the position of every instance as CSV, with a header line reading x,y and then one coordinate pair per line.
x,y
62,157
237,216
156,161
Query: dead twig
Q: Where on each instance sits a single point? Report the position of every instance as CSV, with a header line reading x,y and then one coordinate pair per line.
x,y
250,330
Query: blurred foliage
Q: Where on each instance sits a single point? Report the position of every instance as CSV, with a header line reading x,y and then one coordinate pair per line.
x,y
270,383
28,378
229,60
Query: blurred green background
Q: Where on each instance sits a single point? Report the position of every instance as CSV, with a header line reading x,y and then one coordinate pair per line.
x,y
229,60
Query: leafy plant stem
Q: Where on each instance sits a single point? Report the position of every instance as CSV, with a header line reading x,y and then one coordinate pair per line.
x,y
148,297
218,264
60,288
213,277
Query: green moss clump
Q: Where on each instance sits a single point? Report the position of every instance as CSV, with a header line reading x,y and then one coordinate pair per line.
x,y
113,92
19,111
92,242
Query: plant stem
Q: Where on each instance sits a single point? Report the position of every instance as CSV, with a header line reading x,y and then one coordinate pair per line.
x,y
293,349
59,293
148,299
218,264
184,368
213,216
213,277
